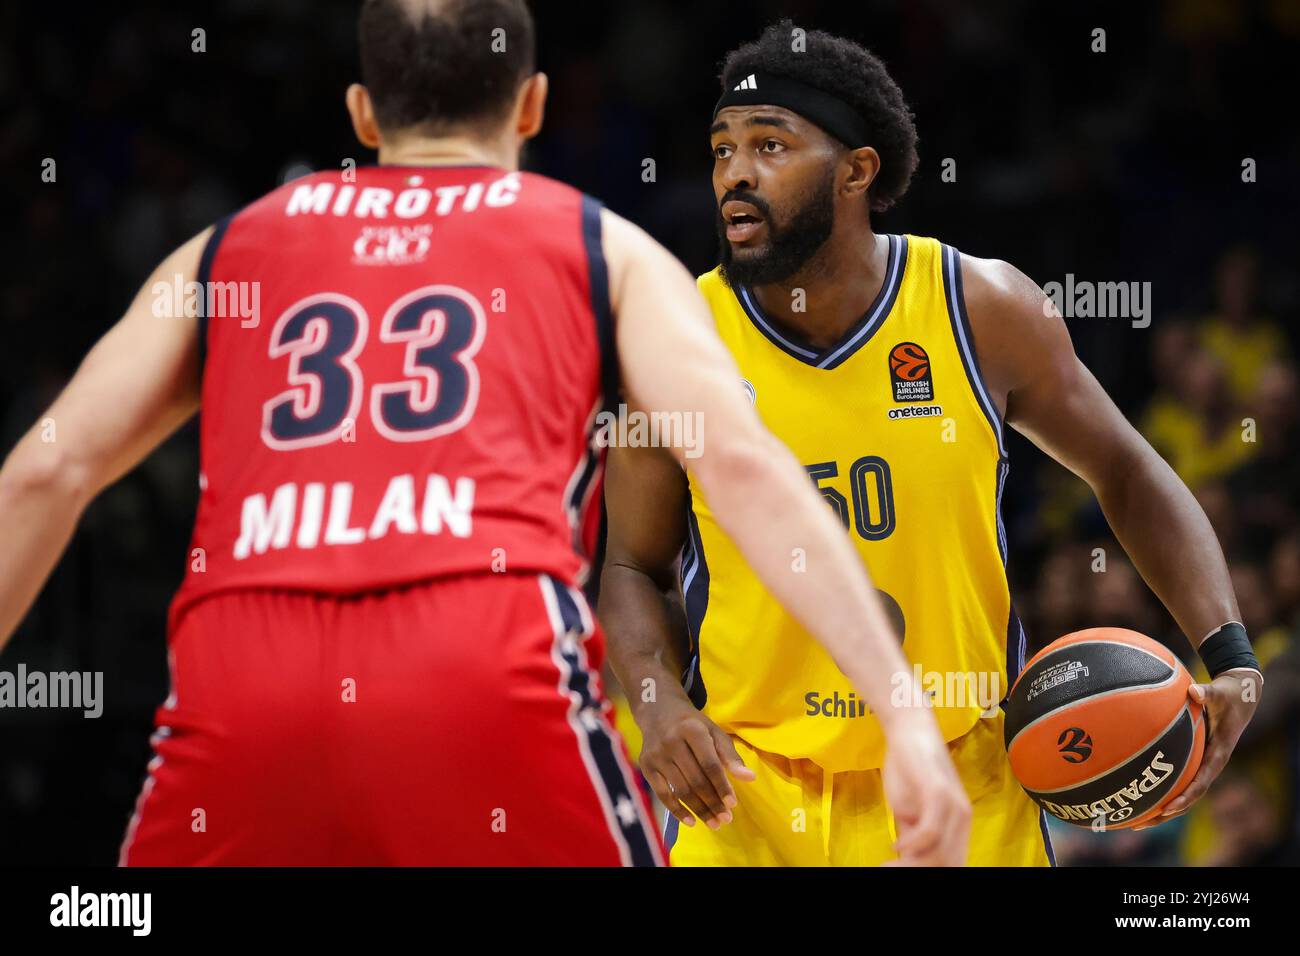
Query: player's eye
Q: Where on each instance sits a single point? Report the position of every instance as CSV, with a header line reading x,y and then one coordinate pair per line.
x,y
721,152
772,146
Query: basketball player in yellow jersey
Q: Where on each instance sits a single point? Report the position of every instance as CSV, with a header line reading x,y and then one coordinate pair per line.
x,y
891,366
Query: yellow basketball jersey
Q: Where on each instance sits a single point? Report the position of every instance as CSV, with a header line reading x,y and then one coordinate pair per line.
x,y
897,430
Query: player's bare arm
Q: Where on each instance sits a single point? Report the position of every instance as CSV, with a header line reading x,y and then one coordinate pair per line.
x,y
134,388
686,757
672,360
1048,395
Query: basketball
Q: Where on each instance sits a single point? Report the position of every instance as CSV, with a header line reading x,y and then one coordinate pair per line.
x,y
1100,730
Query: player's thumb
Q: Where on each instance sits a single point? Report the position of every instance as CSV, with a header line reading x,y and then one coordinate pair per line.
x,y
730,757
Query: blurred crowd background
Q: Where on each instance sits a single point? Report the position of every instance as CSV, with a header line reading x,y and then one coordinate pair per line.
x,y
1123,165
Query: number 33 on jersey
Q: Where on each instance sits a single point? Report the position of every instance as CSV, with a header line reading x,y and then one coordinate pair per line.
x,y
401,409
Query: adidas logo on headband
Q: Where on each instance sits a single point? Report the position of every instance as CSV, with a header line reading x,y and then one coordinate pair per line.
x,y
828,111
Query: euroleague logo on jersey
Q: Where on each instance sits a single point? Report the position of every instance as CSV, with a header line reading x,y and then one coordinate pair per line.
x,y
909,369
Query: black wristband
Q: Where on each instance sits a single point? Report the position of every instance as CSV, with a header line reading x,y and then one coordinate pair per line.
x,y
1227,648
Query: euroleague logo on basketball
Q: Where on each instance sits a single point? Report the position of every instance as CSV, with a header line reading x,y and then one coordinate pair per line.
x,y
1075,744
909,369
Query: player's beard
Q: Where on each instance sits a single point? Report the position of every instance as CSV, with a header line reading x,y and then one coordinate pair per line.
x,y
789,244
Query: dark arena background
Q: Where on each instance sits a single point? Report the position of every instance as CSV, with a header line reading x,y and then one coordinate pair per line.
x,y
1168,157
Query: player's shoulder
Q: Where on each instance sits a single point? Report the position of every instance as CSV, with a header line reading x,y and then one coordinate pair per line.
x,y
541,183
983,277
313,189
314,192
539,189
1006,310
995,285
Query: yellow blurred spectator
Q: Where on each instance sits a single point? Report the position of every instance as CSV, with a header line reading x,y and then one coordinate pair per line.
x,y
1244,341
1197,427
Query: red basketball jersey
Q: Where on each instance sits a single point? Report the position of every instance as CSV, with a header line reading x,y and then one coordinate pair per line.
x,y
401,374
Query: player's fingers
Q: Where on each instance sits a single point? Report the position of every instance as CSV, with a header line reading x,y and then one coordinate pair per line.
x,y
1219,743
1164,816
1216,758
653,756
1171,812
917,840
950,847
939,834
661,772
956,840
919,828
684,793
702,746
1195,790
730,756
699,783
1218,748
664,791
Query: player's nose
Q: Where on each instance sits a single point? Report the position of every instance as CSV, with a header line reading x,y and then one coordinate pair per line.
x,y
737,173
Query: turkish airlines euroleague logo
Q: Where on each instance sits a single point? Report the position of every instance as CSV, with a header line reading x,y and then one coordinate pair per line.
x,y
909,367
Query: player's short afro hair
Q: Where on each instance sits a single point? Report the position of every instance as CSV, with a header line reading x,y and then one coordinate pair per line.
x,y
854,74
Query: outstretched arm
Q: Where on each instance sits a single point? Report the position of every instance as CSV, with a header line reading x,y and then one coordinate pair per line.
x,y
138,384
673,362
1052,398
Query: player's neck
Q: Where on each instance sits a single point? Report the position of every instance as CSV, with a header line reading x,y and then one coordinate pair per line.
x,y
832,290
448,151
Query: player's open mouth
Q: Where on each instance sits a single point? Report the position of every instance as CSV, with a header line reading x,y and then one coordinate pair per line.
x,y
743,220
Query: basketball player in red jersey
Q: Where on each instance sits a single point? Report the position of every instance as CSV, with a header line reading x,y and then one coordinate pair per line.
x,y
380,654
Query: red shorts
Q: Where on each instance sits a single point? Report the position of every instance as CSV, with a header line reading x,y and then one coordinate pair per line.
x,y
458,722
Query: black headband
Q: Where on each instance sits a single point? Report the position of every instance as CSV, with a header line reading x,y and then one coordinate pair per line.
x,y
829,112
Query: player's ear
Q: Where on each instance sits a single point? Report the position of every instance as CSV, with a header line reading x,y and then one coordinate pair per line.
x,y
362,111
530,106
864,165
